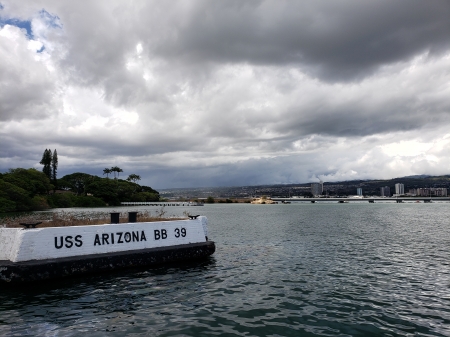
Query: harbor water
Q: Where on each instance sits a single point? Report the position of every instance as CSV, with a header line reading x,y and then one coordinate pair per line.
x,y
322,269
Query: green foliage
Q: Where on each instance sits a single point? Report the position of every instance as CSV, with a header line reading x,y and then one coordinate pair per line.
x,y
116,169
145,197
210,200
65,200
107,171
82,201
16,195
125,189
7,205
47,162
76,182
28,189
24,190
61,200
39,202
134,177
54,168
31,180
104,189
112,192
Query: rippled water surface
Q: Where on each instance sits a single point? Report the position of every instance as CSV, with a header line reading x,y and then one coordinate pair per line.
x,y
279,270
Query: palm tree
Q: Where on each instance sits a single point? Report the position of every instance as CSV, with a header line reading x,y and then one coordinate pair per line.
x,y
107,171
134,177
116,169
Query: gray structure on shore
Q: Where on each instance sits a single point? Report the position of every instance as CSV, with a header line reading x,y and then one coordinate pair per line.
x,y
317,188
385,191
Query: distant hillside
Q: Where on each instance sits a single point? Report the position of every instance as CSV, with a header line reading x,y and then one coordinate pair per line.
x,y
370,187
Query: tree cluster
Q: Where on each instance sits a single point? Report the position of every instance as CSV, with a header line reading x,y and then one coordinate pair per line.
x,y
50,162
114,169
24,190
111,192
28,189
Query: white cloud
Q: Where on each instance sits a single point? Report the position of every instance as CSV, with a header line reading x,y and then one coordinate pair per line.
x,y
27,87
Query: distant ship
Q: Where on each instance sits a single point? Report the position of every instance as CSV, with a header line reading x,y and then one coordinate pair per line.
x,y
196,203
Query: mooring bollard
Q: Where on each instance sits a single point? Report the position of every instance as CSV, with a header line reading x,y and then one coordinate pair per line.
x,y
132,216
30,224
115,217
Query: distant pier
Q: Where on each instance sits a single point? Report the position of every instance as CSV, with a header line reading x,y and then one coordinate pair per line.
x,y
370,199
153,203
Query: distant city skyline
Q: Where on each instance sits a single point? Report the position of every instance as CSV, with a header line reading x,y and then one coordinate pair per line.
x,y
226,93
345,188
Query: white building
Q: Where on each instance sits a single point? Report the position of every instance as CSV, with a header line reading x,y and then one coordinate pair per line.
x,y
359,191
399,189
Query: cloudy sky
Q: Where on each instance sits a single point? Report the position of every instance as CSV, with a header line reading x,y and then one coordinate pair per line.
x,y
227,93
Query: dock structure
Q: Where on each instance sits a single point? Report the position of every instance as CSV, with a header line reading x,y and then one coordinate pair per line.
x,y
369,199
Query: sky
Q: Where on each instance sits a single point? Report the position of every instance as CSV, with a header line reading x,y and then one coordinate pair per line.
x,y
227,93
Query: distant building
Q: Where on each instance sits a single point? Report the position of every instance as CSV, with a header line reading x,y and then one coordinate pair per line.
x,y
412,192
385,191
399,189
317,188
423,192
359,191
431,192
440,192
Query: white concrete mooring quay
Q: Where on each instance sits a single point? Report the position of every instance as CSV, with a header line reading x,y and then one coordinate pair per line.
x,y
39,254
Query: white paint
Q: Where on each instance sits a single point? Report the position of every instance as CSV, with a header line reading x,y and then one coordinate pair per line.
x,y
8,238
39,244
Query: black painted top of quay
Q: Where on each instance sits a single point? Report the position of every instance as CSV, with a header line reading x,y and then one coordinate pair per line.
x,y
87,258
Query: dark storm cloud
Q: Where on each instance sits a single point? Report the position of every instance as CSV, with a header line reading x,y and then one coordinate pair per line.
x,y
357,118
334,40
